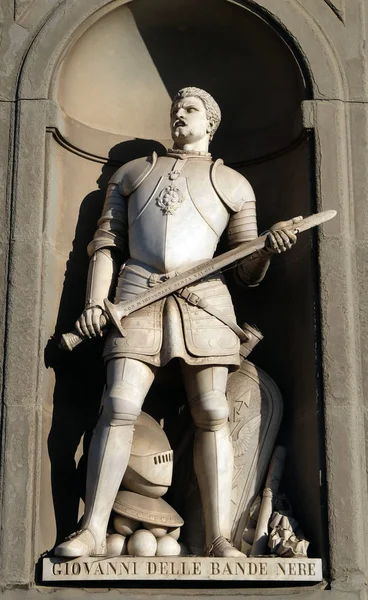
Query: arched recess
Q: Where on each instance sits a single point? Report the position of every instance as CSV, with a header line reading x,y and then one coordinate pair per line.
x,y
298,24
37,111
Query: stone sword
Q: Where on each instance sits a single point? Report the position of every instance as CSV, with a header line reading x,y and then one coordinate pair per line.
x,y
116,312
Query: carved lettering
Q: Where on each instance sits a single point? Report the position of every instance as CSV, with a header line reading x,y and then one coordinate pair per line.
x,y
147,297
112,566
215,568
76,568
263,568
176,569
124,567
197,568
151,568
87,567
57,569
98,570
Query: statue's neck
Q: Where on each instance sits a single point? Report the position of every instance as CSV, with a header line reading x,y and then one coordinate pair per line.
x,y
181,153
200,146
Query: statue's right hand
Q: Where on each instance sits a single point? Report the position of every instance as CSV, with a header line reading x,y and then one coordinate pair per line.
x,y
88,324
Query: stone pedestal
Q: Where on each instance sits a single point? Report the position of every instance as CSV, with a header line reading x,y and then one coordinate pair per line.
x,y
195,568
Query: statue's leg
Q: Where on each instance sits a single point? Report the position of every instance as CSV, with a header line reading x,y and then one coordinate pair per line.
x,y
127,384
213,452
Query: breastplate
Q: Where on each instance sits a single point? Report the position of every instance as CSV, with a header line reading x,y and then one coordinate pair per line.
x,y
175,216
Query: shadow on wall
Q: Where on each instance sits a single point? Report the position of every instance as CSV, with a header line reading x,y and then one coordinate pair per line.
x,y
259,85
79,375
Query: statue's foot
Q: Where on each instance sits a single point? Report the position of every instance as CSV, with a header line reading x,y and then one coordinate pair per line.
x,y
82,543
221,547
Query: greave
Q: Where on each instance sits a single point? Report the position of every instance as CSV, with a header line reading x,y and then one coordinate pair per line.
x,y
107,461
213,462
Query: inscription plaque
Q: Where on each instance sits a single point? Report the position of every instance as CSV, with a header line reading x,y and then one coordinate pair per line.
x,y
183,568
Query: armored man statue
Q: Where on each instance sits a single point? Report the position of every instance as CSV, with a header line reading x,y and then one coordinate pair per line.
x,y
170,212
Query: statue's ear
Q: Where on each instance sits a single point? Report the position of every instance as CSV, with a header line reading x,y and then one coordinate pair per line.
x,y
210,127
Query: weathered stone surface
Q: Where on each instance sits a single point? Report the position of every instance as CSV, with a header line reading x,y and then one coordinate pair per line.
x,y
6,130
17,495
183,569
307,592
338,7
335,58
13,41
20,6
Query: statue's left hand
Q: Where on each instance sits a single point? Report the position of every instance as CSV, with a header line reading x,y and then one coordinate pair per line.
x,y
280,236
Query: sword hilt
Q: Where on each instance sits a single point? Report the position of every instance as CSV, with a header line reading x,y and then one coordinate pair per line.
x,y
69,341
114,316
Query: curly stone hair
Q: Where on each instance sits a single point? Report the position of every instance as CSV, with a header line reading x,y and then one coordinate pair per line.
x,y
212,108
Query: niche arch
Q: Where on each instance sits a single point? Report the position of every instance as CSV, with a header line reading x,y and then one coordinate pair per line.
x,y
265,141
298,24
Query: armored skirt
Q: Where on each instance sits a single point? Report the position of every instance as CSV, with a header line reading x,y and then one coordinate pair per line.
x,y
172,327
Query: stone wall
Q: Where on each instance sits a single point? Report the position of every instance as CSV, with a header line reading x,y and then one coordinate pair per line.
x,y
290,76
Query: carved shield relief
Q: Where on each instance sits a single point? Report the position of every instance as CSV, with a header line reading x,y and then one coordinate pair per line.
x,y
255,417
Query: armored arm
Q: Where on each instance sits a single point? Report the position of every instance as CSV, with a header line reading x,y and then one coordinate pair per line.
x,y
107,247
106,251
110,241
279,238
243,228
238,196
102,273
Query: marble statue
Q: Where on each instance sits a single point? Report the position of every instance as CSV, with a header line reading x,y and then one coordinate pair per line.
x,y
170,212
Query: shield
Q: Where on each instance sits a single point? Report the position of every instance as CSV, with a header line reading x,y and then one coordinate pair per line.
x,y
255,418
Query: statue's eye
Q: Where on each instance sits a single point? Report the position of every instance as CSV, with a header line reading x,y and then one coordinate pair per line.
x,y
191,109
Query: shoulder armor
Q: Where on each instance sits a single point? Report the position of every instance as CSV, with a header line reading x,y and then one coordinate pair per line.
x,y
117,177
233,189
130,176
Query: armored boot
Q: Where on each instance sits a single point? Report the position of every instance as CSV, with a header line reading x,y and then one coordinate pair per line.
x,y
107,460
109,454
213,453
213,461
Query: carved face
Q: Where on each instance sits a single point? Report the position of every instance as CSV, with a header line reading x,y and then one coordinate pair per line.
x,y
189,122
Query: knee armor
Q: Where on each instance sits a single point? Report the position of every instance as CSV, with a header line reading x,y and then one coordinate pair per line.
x,y
122,404
210,410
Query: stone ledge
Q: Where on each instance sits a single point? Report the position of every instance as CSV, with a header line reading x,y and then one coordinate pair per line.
x,y
184,568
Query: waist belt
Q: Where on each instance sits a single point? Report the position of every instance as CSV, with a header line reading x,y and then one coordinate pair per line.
x,y
196,300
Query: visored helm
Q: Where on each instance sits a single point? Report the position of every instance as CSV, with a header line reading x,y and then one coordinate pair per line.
x,y
150,466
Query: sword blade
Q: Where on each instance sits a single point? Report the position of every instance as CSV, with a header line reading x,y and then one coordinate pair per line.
x,y
115,312
118,311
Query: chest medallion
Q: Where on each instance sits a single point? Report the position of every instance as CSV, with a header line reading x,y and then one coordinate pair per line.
x,y
169,199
